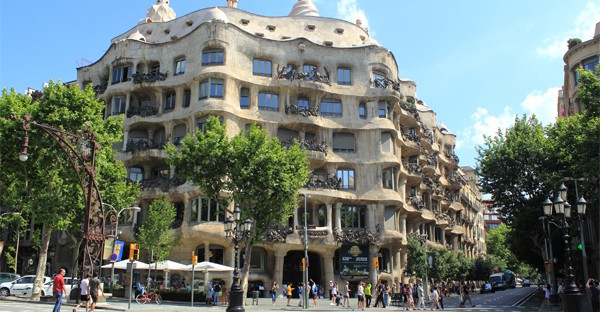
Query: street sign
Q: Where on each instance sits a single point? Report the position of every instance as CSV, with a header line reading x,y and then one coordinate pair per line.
x,y
113,257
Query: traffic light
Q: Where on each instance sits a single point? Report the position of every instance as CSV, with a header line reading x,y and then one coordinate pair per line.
x,y
134,252
194,258
376,263
303,264
579,246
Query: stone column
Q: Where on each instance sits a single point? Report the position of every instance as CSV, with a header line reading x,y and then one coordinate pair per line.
x,y
403,257
329,273
278,276
296,217
125,141
329,218
371,217
398,265
403,228
338,219
373,253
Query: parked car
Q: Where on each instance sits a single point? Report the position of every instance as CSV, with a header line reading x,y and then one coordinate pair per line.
x,y
485,288
70,283
21,287
526,283
8,277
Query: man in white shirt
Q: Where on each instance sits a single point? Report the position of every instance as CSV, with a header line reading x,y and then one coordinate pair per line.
x,y
361,295
84,295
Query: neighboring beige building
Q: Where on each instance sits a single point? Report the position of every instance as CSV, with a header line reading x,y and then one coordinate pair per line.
x,y
586,55
381,166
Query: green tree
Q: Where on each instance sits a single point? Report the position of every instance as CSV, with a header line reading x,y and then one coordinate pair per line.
x,y
416,263
496,241
46,186
156,235
251,169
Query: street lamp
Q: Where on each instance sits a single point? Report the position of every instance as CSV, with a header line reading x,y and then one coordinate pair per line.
x,y
572,293
117,214
305,273
237,231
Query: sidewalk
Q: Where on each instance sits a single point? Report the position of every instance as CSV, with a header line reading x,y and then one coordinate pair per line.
x,y
533,303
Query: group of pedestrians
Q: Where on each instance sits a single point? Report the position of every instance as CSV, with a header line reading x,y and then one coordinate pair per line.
x,y
312,288
89,289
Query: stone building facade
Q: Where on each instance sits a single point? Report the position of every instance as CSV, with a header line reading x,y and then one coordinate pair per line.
x,y
381,166
585,55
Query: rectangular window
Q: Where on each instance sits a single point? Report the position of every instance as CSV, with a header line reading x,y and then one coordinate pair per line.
x,y
261,67
203,209
179,67
310,70
118,105
591,65
344,77
346,178
245,98
155,69
135,174
268,101
388,178
331,107
187,97
353,216
362,110
390,218
169,101
303,103
379,79
211,88
121,74
383,109
343,142
212,57
387,144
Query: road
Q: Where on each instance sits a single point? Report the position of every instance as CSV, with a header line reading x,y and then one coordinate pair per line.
x,y
519,299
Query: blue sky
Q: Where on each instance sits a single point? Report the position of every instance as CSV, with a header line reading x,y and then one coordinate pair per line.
x,y
476,63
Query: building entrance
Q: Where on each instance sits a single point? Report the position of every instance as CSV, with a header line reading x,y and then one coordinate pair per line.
x,y
292,267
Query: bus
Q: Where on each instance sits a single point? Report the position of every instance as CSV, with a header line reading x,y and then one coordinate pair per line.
x,y
504,280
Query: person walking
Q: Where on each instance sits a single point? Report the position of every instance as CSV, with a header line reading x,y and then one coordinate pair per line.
x,y
379,293
331,294
59,289
386,294
216,292
441,296
368,295
84,296
410,303
94,289
466,290
346,302
300,290
595,294
360,294
274,288
435,301
336,294
288,292
315,292
421,296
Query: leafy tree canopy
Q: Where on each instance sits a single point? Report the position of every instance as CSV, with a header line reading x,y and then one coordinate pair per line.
x,y
155,234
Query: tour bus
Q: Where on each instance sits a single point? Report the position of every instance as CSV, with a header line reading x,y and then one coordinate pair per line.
x,y
503,280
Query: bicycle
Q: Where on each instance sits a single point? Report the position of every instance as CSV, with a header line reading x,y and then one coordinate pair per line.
x,y
148,297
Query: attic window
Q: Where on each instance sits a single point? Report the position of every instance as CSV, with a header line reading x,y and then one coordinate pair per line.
x,y
271,27
149,31
167,31
245,21
285,37
311,27
174,37
189,23
339,31
259,34
328,43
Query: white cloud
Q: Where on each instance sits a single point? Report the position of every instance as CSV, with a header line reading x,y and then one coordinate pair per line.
x,y
484,124
583,28
349,10
542,105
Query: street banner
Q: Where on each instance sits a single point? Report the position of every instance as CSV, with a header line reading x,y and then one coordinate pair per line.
x,y
354,262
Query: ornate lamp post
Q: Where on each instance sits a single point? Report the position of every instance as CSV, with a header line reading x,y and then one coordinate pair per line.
x,y
80,148
238,231
116,215
572,293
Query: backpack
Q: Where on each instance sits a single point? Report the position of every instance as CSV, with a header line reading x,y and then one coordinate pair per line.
x,y
217,287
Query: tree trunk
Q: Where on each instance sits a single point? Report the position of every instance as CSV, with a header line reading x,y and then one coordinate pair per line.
x,y
246,269
75,247
41,267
